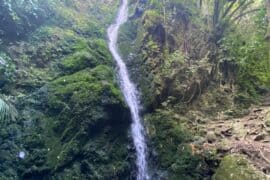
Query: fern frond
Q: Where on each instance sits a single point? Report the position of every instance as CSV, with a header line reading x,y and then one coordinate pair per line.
x,y
8,112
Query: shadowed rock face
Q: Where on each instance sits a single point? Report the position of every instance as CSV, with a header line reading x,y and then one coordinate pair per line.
x,y
18,17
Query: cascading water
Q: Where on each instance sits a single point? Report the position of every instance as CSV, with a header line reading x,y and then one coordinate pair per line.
x,y
130,93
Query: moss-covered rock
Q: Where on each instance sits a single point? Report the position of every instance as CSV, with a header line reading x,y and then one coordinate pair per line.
x,y
237,167
170,138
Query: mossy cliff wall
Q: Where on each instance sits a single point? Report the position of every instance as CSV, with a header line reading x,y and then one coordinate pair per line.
x,y
72,121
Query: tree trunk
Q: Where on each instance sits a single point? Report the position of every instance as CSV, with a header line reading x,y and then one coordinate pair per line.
x,y
267,4
165,23
267,37
216,14
206,13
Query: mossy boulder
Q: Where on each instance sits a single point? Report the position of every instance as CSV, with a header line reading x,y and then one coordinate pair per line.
x,y
237,167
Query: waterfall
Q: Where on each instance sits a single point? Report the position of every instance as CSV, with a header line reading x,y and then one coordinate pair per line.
x,y
130,93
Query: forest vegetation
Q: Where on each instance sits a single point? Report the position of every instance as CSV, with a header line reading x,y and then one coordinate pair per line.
x,y
202,69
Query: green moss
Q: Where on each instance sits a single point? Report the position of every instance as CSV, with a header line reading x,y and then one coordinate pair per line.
x,y
87,54
49,44
87,121
86,86
46,32
69,14
151,18
79,61
237,167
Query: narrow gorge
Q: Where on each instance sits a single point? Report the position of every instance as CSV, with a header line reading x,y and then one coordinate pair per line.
x,y
134,90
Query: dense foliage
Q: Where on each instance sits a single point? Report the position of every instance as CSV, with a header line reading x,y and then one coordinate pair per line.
x,y
246,46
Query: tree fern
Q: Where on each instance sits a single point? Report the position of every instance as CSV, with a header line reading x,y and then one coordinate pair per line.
x,y
8,112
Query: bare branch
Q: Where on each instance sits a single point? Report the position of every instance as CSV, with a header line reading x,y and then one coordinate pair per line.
x,y
241,5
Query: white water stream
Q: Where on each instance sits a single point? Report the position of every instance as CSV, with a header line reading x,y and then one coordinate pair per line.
x,y
130,93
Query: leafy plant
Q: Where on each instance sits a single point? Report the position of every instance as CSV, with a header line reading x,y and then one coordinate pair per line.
x,y
247,47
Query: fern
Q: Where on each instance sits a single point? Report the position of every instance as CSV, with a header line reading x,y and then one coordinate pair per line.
x,y
8,112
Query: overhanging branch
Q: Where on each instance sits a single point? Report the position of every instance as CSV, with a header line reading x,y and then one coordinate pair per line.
x,y
244,13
